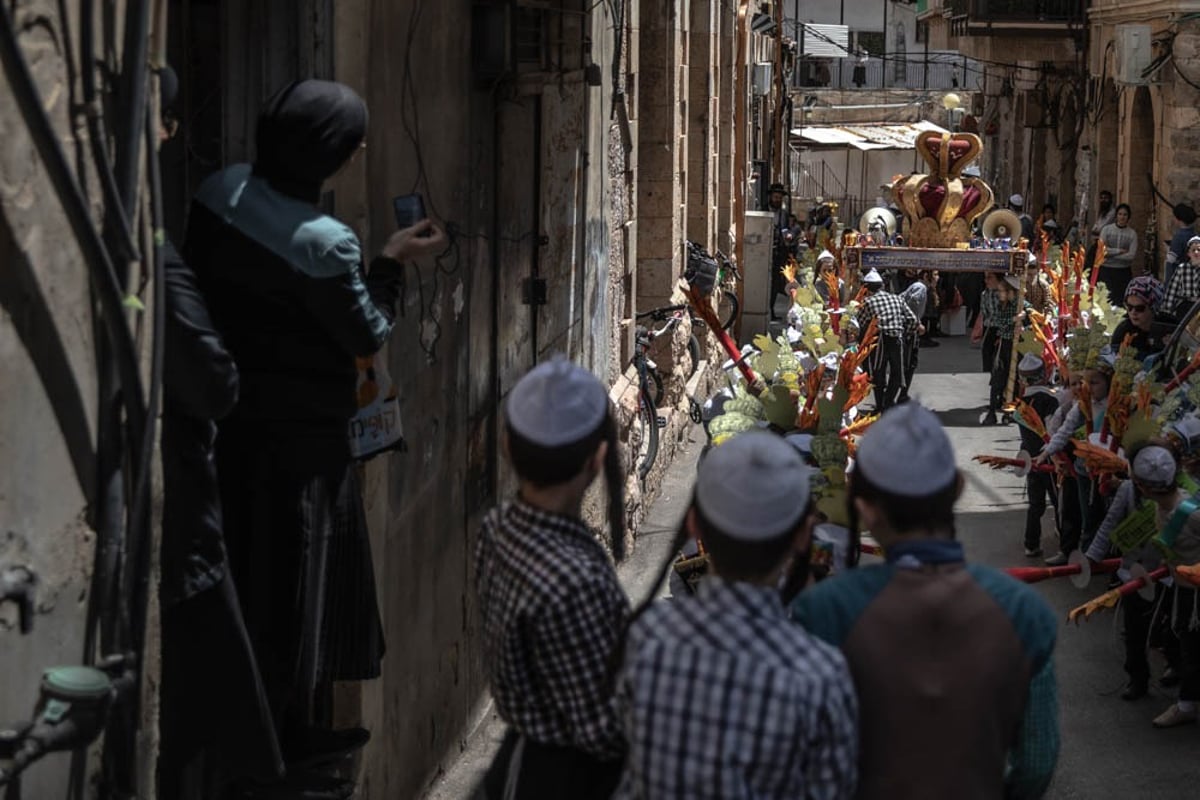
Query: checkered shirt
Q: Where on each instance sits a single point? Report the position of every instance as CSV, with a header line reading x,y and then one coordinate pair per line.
x,y
1005,320
1183,288
894,315
723,697
1037,295
553,612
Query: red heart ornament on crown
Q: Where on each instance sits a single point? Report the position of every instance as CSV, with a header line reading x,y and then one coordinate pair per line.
x,y
939,207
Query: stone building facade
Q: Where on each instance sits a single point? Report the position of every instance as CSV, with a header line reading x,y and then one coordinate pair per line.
x,y
1081,96
1030,82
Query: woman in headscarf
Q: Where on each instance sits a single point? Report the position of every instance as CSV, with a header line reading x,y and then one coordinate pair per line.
x,y
288,292
1142,297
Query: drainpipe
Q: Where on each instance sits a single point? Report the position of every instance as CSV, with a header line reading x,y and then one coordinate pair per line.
x,y
739,136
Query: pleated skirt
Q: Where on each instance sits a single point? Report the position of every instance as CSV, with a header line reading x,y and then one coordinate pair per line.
x,y
300,557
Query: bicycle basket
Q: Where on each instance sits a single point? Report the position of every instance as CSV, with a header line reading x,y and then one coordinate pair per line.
x,y
701,271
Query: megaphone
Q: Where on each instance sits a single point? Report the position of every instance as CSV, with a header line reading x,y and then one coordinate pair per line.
x,y
1001,224
878,220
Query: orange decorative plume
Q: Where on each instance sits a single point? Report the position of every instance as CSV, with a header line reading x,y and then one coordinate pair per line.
x,y
1100,460
860,387
1028,417
859,426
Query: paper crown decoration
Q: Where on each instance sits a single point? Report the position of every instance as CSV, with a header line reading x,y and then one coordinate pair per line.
x,y
940,206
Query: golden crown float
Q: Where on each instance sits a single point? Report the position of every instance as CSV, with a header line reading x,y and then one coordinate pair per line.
x,y
938,212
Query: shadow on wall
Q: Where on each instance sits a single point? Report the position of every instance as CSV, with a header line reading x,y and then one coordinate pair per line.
x,y
22,299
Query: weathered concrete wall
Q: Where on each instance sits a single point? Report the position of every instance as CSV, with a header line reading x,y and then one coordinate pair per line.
x,y
530,175
48,382
411,72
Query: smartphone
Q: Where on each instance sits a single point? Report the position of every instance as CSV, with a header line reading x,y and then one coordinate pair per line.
x,y
409,209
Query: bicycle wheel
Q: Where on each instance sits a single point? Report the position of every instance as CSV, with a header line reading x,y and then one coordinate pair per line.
x,y
656,393
727,308
648,447
694,353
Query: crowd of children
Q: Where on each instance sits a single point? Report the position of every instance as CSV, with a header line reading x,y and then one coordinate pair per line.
x,y
1110,424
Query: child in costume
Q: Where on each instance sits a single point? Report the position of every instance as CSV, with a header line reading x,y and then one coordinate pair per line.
x,y
1038,485
1151,473
1080,424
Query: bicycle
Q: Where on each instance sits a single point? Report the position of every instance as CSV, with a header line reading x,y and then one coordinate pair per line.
x,y
714,275
727,298
650,384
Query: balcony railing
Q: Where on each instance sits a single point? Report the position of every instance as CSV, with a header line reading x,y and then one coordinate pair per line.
x,y
1025,10
939,70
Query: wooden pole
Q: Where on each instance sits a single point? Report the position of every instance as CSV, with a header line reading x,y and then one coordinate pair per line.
x,y
1010,385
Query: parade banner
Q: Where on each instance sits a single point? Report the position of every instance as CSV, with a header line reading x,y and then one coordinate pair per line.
x,y
941,259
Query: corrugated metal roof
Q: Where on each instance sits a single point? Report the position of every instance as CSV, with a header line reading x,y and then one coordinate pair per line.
x,y
868,137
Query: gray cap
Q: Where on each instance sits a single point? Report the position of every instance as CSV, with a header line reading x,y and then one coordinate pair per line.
x,y
1154,466
556,403
754,487
1014,281
907,452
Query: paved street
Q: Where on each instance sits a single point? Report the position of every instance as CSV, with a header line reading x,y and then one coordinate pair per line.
x,y
1109,748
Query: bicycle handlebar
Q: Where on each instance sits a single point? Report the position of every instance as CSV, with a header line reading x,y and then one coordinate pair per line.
x,y
659,314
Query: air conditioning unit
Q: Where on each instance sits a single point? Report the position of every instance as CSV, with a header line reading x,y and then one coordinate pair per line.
x,y
1133,54
761,79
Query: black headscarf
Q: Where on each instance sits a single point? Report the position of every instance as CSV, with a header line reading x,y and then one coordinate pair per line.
x,y
306,132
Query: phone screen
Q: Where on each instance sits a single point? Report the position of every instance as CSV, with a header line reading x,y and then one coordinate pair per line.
x,y
409,209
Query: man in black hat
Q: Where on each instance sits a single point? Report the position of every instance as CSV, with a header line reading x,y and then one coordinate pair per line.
x,y
783,244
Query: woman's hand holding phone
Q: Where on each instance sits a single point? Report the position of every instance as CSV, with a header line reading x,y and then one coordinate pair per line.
x,y
422,239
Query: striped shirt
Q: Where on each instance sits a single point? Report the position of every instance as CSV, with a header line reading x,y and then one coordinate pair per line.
x,y
553,612
722,697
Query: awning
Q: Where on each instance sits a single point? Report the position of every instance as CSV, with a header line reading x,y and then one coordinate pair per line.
x,y
867,137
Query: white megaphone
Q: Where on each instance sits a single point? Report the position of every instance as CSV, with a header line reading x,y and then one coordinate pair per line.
x,y
879,223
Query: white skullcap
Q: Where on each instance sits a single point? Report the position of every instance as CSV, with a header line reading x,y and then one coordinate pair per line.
x,y
831,361
825,254
971,171
1108,358
873,277
1193,240
556,403
1031,363
1030,259
1016,200
754,487
1154,466
907,452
